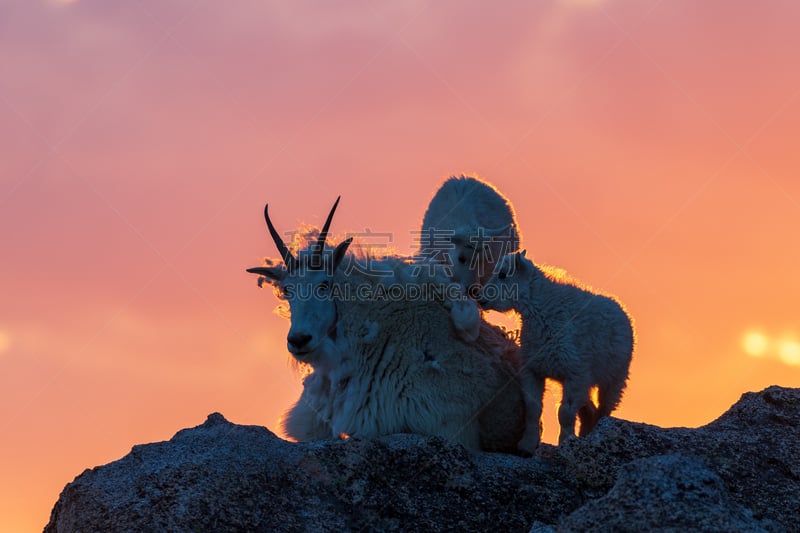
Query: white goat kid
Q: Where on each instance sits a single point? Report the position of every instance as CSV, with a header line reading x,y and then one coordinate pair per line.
x,y
468,226
389,365
570,334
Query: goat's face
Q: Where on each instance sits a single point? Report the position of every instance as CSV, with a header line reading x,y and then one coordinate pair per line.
x,y
472,260
466,263
306,283
508,284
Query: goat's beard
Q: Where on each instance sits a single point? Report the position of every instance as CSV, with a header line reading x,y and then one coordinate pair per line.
x,y
326,356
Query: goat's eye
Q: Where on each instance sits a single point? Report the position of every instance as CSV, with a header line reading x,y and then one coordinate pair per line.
x,y
501,275
324,285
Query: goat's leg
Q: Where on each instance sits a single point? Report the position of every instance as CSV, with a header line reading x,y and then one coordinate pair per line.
x,y
575,396
588,417
609,397
304,422
533,392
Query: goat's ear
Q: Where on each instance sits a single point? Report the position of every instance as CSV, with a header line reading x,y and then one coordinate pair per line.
x,y
272,273
520,261
339,251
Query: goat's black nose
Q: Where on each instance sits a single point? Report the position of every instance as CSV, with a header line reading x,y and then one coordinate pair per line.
x,y
298,340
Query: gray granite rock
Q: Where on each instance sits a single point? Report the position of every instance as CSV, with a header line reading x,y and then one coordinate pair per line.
x,y
665,493
739,473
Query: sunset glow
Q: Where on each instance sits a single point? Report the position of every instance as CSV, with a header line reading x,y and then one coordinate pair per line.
x,y
5,341
61,3
582,3
648,148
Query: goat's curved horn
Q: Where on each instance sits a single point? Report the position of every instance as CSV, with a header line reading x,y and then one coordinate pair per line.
x,y
286,255
324,233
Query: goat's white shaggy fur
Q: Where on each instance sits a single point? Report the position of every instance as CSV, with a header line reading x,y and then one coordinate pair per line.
x,y
396,365
570,334
385,362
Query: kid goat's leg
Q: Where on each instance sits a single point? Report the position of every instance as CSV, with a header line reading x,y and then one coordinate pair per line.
x,y
533,391
575,396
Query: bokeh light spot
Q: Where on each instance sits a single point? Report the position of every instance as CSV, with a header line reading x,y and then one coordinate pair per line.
x,y
755,343
789,352
5,341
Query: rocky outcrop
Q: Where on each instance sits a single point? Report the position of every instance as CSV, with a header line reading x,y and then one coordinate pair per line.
x,y
739,473
666,491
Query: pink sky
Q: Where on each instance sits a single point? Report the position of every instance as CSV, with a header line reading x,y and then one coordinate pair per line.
x,y
647,146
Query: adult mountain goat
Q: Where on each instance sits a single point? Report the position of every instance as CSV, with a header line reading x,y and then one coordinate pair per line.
x,y
384,356
569,334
